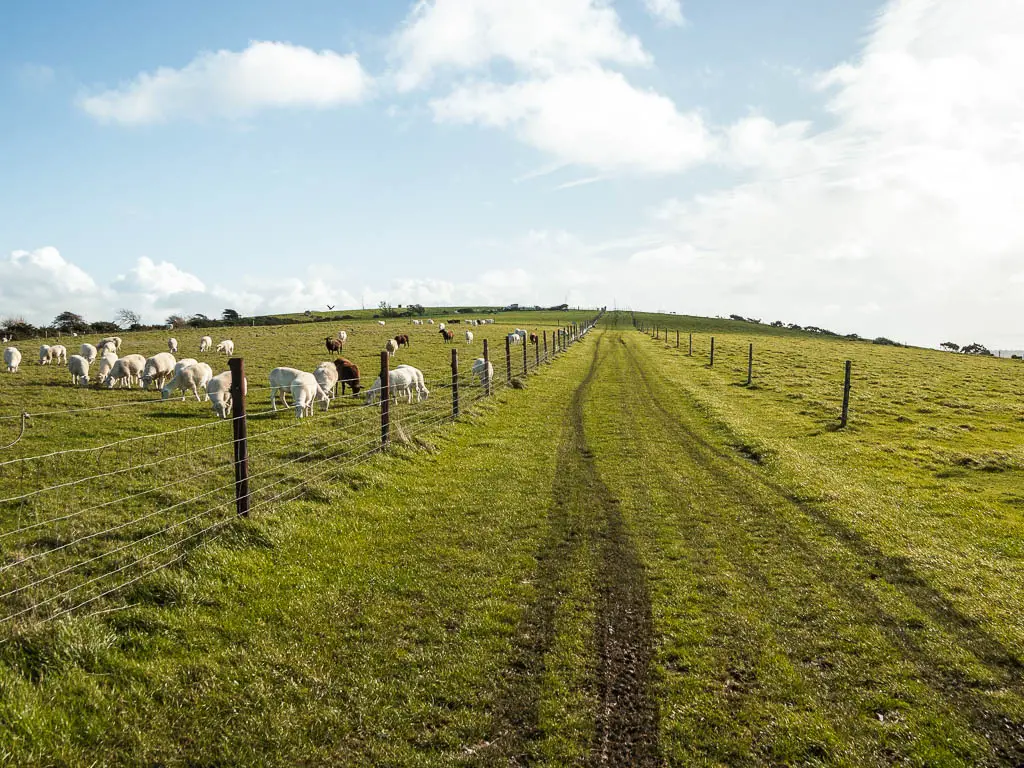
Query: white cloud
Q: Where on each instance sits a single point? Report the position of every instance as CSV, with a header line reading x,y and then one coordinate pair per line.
x,y
163,279
538,37
591,117
666,11
234,84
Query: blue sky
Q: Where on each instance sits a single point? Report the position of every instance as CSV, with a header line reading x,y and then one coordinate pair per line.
x,y
670,156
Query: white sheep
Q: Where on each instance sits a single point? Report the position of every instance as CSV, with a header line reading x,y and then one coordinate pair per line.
x,y
342,337
227,347
205,344
172,345
58,353
391,347
218,389
440,326
12,359
125,370
469,337
431,321
45,354
107,361
189,378
88,351
158,369
514,338
105,346
419,384
381,323
483,370
326,375
79,368
401,382
306,391
280,383
116,340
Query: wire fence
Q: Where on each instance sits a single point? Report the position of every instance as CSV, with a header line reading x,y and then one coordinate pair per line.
x,y
83,524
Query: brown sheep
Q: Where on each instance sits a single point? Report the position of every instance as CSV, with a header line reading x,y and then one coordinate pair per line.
x,y
348,373
447,335
333,345
402,340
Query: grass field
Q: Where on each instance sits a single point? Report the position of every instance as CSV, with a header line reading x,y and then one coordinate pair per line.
x,y
635,560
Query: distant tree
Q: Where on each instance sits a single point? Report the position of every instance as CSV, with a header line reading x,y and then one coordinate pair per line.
x,y
128,319
199,320
176,321
739,318
754,320
795,327
230,316
16,328
417,309
976,349
69,322
949,345
104,326
777,324
885,342
386,309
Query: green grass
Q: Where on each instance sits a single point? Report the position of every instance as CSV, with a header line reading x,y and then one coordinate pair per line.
x,y
635,560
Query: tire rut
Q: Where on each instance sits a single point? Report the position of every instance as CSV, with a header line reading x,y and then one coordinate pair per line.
x,y
626,725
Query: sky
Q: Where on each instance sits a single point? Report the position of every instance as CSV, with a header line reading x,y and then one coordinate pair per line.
x,y
851,164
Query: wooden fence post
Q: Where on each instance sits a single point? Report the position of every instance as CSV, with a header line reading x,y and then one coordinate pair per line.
x,y
545,346
677,338
536,351
239,430
690,353
712,351
508,362
750,366
846,395
385,399
526,342
455,383
487,365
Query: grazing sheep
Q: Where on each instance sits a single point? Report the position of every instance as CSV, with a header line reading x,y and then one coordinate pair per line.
x,y
172,345
45,354
88,351
348,373
514,338
227,347
188,378
401,381
79,368
447,335
124,370
107,360
342,337
440,326
326,376
58,353
105,346
419,385
402,340
205,344
116,340
158,369
522,333
380,323
12,359
431,321
184,363
280,382
218,389
469,337
417,322
534,338
333,345
483,370
391,347
305,392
